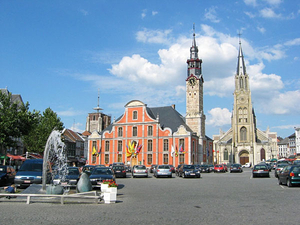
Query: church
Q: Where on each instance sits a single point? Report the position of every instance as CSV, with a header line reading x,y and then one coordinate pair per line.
x,y
244,142
157,135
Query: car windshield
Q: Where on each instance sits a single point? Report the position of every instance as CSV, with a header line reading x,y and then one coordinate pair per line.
x,y
260,167
296,169
73,171
281,165
31,167
235,165
218,165
189,167
102,171
163,167
118,167
140,167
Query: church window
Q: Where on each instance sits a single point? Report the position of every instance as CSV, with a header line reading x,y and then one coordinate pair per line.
x,y
225,154
262,154
120,132
243,133
134,131
240,111
135,115
195,93
245,111
149,145
94,117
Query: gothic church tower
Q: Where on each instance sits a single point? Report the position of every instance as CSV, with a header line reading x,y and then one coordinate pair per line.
x,y
243,118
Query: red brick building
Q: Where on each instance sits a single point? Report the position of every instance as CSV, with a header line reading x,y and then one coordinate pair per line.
x,y
158,135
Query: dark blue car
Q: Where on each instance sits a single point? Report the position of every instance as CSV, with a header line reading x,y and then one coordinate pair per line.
x,y
100,174
31,172
71,178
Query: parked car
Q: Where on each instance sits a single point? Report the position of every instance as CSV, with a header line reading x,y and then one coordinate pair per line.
x,y
139,171
71,178
247,165
204,169
219,168
163,170
260,170
99,174
279,169
128,168
119,170
31,172
290,175
211,167
88,169
7,175
189,171
152,168
296,162
236,168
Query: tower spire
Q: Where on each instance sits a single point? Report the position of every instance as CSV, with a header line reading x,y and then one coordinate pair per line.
x,y
241,68
98,107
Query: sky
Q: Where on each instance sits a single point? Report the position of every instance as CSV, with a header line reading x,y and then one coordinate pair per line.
x,y
62,54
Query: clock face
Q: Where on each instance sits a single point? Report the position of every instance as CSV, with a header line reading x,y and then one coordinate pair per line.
x,y
192,81
242,99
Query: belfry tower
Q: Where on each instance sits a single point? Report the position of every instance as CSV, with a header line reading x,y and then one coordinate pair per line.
x,y
195,117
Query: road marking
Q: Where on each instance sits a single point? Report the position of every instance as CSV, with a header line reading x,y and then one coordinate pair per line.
x,y
282,186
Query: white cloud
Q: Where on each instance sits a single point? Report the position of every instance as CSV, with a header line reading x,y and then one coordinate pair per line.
x,y
269,13
211,14
154,13
76,127
293,42
250,2
153,36
261,30
218,117
70,113
283,103
273,2
143,15
251,15
84,12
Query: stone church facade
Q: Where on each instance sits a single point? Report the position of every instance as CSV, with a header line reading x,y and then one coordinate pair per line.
x,y
244,142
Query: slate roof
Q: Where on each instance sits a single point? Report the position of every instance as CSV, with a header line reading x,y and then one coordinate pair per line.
x,y
168,117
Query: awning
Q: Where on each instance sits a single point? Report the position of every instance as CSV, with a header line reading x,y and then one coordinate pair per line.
x,y
16,157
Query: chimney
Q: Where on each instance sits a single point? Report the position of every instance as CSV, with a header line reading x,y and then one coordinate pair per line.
x,y
173,106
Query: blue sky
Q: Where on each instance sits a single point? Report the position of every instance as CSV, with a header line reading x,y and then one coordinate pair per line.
x,y
58,54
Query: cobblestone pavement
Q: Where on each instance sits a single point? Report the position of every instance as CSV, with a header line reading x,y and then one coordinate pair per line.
x,y
213,199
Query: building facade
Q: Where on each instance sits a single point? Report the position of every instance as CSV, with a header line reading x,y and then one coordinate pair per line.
x,y
297,136
244,142
158,135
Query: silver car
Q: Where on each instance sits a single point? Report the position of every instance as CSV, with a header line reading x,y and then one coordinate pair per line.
x,y
139,171
163,170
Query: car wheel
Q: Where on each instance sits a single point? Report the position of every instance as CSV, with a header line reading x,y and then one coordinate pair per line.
x,y
288,183
183,176
279,182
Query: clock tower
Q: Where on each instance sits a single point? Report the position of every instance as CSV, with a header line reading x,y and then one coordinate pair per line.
x,y
195,117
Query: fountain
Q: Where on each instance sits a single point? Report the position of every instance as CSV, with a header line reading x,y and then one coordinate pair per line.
x,y
54,158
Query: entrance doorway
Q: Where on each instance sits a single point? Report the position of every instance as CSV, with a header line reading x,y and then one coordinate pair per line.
x,y
244,157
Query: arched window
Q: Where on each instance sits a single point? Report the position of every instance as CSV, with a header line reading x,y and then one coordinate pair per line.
x,y
135,115
243,133
225,154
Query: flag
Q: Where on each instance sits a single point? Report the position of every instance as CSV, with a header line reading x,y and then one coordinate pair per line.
x,y
94,152
99,150
172,151
181,150
176,152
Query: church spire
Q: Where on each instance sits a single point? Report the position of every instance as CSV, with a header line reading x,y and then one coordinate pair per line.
x,y
241,68
194,48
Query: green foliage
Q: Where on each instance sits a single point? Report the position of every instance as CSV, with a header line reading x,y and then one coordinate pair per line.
x,y
36,140
15,120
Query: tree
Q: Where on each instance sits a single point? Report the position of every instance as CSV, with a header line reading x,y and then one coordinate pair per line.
x,y
15,121
36,140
